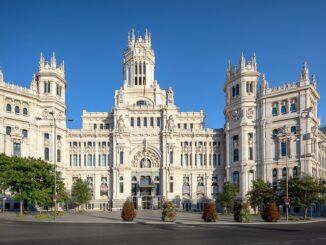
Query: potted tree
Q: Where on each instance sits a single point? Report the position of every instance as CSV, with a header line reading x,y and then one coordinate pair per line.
x,y
168,212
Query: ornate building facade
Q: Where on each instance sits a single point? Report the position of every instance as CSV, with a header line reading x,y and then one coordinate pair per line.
x,y
148,150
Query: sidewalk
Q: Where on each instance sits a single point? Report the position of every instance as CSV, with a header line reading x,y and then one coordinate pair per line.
x,y
143,217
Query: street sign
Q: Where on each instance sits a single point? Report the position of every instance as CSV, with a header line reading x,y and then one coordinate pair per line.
x,y
54,197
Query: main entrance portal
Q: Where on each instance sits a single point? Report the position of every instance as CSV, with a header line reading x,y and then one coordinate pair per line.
x,y
147,202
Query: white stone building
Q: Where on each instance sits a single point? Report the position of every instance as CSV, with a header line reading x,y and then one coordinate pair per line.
x,y
148,150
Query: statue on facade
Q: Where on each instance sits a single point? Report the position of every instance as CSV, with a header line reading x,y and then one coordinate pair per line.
x,y
121,124
170,124
170,99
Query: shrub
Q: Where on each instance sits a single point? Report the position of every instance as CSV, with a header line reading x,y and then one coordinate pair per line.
x,y
210,214
168,212
271,213
42,216
241,213
128,211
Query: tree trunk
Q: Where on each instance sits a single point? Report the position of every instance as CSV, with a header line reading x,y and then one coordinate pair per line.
x,y
21,207
3,201
305,213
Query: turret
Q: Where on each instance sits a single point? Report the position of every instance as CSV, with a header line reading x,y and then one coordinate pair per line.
x,y
50,78
139,61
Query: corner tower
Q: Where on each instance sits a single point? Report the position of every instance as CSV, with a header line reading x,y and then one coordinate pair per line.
x,y
240,128
139,61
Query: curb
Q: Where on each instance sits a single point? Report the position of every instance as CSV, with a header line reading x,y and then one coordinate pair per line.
x,y
165,223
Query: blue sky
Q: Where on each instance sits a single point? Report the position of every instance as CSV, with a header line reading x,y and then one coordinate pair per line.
x,y
193,40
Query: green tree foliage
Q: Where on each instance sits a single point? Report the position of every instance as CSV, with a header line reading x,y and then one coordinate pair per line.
x,y
80,192
29,180
261,194
241,213
128,212
228,195
209,213
168,212
303,191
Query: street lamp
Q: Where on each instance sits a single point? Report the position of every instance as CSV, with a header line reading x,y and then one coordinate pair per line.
x,y
55,194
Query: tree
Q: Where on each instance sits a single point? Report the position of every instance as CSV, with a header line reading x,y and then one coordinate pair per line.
x,y
80,192
29,180
261,194
128,212
303,192
228,195
168,212
271,212
209,213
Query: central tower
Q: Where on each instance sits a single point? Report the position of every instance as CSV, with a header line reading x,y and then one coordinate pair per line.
x,y
139,61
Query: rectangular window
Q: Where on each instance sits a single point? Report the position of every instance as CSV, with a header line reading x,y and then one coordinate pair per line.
x,y
171,157
171,187
121,187
145,122
138,122
283,149
181,159
152,122
274,111
17,149
25,133
121,157
251,155
89,160
103,161
70,158
132,122
214,160
219,160
8,130
75,160
293,108
158,122
235,155
46,154
283,109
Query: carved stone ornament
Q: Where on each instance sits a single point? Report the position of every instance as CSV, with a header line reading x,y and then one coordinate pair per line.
x,y
250,113
236,115
145,159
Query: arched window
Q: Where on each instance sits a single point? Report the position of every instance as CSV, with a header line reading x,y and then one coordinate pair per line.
x,y
145,122
294,129
8,108
134,179
295,172
236,180
293,107
171,184
283,107
233,91
132,122
138,122
237,89
275,132
25,111
17,110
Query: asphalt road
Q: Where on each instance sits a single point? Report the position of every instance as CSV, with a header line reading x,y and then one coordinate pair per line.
x,y
12,232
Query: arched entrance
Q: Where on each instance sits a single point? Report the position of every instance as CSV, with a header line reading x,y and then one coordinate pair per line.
x,y
145,178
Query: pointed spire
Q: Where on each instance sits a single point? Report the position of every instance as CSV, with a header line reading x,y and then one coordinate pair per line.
x,y
229,66
304,72
1,75
264,84
242,61
253,61
41,62
53,61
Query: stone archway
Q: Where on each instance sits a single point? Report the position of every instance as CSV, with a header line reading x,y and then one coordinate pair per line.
x,y
145,159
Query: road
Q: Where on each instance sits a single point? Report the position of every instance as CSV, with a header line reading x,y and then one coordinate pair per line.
x,y
13,232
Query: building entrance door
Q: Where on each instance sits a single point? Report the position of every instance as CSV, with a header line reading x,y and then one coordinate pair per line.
x,y
147,202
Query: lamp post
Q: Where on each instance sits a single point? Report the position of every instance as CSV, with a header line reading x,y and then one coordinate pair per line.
x,y
285,135
55,194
